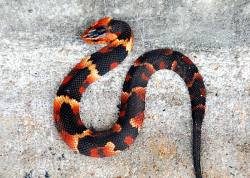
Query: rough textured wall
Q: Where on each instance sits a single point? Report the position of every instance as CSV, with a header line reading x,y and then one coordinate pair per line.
x,y
39,44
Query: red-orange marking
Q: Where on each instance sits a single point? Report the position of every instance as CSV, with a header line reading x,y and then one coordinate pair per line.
x,y
197,76
105,49
137,121
144,77
128,77
66,79
107,38
203,92
108,149
199,106
76,109
116,128
150,68
56,117
94,153
174,65
128,140
81,64
114,65
81,90
79,122
162,65
57,106
101,22
187,60
90,79
137,62
122,113
118,33
192,97
124,97
141,92
69,139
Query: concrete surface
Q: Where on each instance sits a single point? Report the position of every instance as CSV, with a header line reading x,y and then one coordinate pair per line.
x,y
39,44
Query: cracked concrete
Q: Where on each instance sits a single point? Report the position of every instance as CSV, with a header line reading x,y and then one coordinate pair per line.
x,y
39,44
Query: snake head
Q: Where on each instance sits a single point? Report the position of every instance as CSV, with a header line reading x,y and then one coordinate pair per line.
x,y
99,32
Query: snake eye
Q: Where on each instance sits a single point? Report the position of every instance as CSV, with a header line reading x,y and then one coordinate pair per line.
x,y
94,33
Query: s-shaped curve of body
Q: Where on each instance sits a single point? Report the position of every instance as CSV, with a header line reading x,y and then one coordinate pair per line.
x,y
119,39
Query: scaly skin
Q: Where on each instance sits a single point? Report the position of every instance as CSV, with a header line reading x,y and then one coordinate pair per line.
x,y
119,38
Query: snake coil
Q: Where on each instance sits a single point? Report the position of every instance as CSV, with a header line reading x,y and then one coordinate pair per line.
x,y
119,39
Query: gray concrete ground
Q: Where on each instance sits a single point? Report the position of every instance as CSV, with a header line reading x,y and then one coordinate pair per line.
x,y
39,44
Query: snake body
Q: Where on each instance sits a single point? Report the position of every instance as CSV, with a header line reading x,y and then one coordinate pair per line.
x,y
119,38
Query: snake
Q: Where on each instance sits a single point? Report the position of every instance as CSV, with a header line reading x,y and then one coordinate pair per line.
x,y
118,39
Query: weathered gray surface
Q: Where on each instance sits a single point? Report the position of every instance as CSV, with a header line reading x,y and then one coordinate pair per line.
x,y
39,44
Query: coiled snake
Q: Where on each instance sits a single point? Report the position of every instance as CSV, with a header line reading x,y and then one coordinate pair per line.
x,y
119,38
